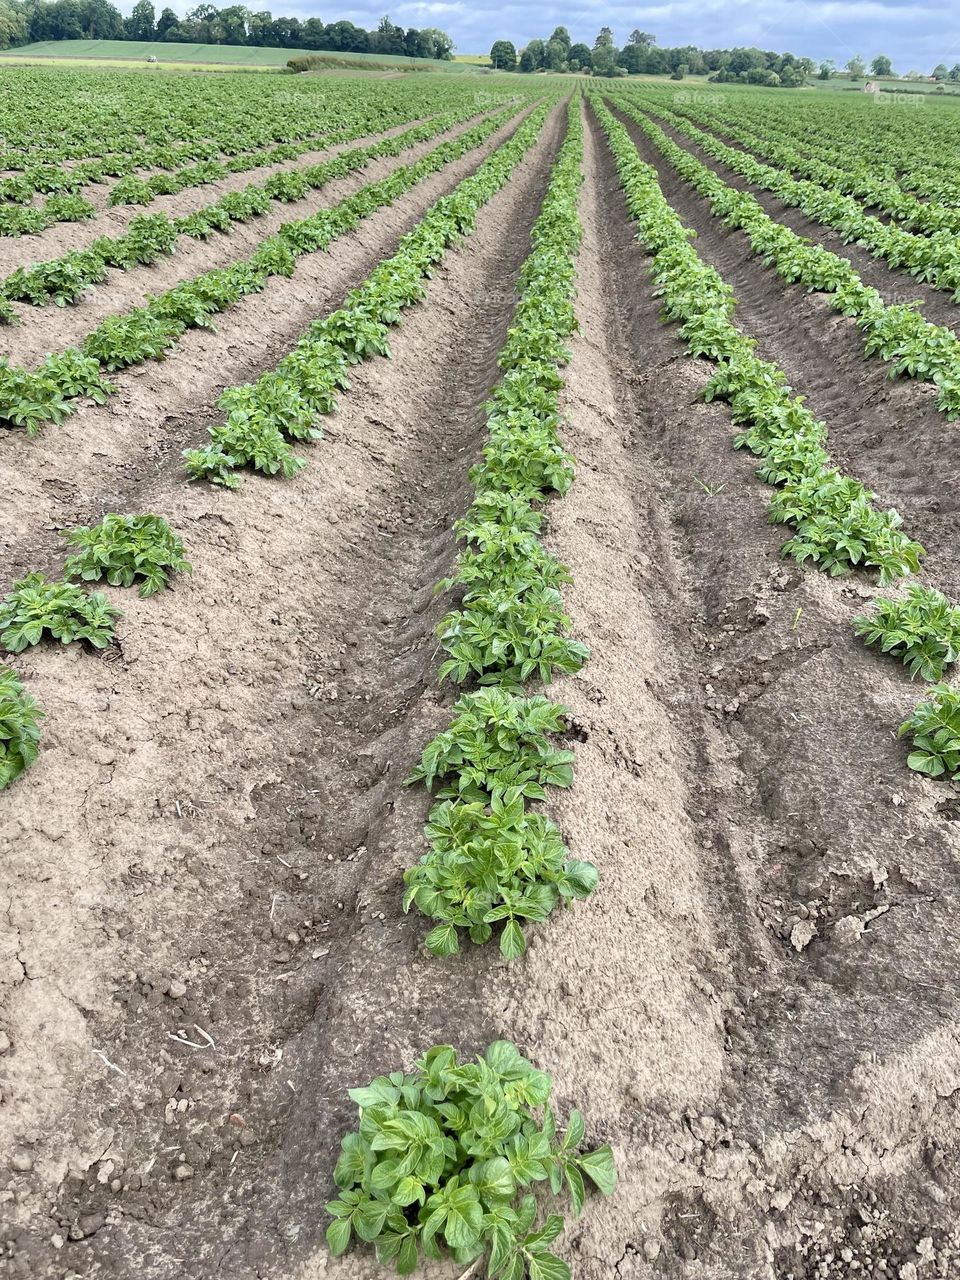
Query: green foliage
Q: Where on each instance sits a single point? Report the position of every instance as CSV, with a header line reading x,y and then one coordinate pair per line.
x,y
491,864
935,730
19,728
922,630
497,747
147,333
444,1159
68,613
836,525
510,633
900,335
125,548
286,404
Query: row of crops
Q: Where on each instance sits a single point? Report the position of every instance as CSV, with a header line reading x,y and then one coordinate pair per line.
x,y
835,522
453,1158
447,1156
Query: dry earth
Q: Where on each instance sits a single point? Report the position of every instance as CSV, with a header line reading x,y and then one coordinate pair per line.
x,y
758,1006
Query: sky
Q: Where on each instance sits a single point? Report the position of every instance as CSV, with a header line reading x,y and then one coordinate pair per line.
x,y
916,36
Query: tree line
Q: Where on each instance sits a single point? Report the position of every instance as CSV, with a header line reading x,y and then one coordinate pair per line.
x,y
641,55
882,67
26,21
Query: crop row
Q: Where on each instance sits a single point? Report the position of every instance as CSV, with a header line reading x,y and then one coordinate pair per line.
x,y
835,523
492,862
818,164
202,161
933,259
915,149
66,279
897,334
49,120
29,399
285,405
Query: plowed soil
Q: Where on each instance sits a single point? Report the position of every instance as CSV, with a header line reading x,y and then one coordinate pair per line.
x,y
204,944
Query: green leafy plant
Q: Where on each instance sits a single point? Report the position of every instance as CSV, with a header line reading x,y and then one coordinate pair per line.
x,y
19,727
506,635
922,630
935,729
492,864
65,611
498,746
443,1161
125,548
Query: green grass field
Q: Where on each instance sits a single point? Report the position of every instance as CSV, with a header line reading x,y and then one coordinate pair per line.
x,y
224,57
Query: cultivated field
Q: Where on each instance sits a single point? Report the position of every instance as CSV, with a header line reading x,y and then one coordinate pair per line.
x,y
661,386
220,56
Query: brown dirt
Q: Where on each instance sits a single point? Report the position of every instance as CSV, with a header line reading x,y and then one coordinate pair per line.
x,y
757,1007
295,671
796,1102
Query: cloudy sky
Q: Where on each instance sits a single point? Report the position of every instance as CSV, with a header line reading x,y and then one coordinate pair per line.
x,y
915,35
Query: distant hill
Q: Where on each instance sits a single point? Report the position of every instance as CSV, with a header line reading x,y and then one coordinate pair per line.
x,y
215,55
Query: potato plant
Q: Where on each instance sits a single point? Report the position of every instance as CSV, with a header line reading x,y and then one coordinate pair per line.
x,y
36,607
445,1159
922,630
125,549
934,729
19,727
489,866
497,747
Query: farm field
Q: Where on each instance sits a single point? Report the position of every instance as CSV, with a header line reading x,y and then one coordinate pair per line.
x,y
196,56
480,568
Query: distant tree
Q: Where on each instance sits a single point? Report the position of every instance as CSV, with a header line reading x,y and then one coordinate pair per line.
x,y
166,20
679,72
311,37
791,76
142,23
856,67
881,65
533,56
603,60
955,71
503,56
555,56
580,54
748,60
940,71
643,38
604,39
561,36
440,44
14,27
827,68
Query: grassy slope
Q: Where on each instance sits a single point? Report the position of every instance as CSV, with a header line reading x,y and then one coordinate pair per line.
x,y
134,51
